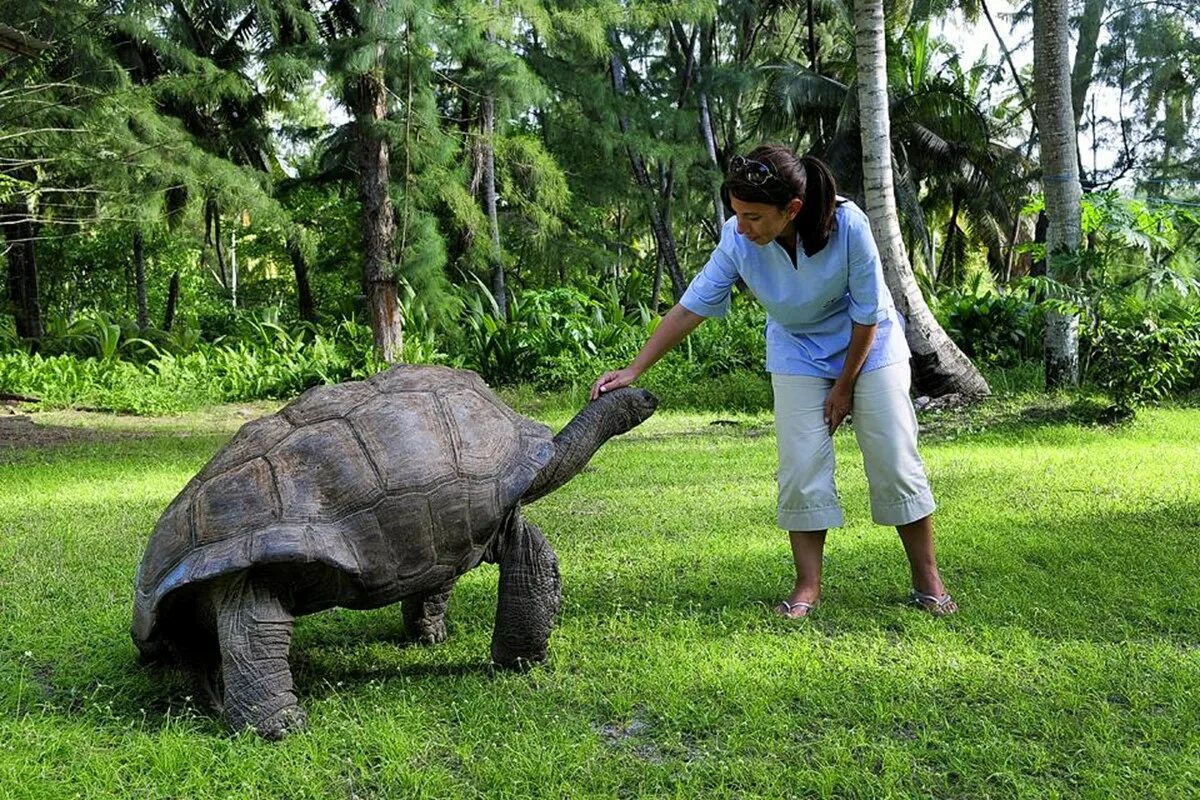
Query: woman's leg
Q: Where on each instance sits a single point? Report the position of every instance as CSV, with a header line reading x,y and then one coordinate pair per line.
x,y
922,560
808,501
807,550
886,428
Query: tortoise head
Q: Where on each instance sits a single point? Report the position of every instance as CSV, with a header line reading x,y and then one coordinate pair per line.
x,y
623,410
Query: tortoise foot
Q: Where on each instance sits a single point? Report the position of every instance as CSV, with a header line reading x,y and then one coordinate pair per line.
x,y
511,663
434,634
425,615
282,723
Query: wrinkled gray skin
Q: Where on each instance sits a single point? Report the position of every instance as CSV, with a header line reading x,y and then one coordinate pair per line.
x,y
349,497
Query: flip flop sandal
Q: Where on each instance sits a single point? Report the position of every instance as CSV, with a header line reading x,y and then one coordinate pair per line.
x,y
788,610
942,606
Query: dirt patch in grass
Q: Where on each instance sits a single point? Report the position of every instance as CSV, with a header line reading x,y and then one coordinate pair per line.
x,y
20,432
25,429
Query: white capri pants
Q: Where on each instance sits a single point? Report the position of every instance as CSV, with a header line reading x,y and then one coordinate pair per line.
x,y
886,428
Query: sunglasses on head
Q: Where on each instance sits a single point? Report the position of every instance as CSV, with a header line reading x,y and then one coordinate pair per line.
x,y
755,173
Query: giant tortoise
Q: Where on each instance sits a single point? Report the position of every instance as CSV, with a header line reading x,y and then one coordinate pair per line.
x,y
359,495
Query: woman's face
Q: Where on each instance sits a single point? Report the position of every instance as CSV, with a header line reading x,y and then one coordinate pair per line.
x,y
763,222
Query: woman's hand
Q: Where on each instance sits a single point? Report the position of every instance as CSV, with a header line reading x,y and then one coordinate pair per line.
x,y
837,405
614,380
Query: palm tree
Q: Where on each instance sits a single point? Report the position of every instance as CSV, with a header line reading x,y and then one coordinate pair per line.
x,y
944,144
1060,178
939,366
955,153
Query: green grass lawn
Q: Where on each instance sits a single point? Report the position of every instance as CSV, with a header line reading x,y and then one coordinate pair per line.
x,y
1073,668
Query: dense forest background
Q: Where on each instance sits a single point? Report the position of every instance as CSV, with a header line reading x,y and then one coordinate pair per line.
x,y
207,200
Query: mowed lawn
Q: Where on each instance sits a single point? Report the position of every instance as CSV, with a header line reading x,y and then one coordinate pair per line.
x,y
1073,668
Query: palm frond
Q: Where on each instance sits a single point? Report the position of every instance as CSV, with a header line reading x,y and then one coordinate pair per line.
x,y
792,96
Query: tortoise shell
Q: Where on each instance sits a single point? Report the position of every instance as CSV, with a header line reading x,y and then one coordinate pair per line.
x,y
396,484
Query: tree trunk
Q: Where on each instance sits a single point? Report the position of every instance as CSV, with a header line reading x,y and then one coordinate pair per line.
x,y
661,229
233,268
1010,253
19,233
214,220
946,268
1085,55
656,289
710,145
1060,177
306,307
139,280
172,299
378,221
495,255
939,367
707,133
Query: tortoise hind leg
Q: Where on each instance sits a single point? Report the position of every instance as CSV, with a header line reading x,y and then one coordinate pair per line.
x,y
425,614
255,633
530,592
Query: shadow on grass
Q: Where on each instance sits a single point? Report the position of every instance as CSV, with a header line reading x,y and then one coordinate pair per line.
x,y
1006,417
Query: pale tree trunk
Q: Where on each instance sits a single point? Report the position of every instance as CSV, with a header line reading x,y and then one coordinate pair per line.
x,y
378,220
1085,55
218,246
1010,252
233,268
1081,72
496,256
710,145
939,366
1060,177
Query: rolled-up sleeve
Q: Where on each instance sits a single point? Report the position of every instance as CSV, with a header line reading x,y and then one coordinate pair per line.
x,y
709,292
869,297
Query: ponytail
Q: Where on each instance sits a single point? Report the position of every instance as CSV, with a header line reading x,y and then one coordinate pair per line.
x,y
815,220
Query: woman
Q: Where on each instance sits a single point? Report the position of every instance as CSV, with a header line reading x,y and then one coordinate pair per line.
x,y
834,342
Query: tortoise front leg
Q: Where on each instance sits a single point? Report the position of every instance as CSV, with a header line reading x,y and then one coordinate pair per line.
x,y
255,634
425,614
530,592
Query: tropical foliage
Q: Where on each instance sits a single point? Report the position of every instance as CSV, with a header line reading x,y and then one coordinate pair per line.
x,y
175,175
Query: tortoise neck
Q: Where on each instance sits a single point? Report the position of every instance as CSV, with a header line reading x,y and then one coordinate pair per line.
x,y
576,443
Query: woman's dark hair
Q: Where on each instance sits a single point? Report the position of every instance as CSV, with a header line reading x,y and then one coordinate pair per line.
x,y
773,174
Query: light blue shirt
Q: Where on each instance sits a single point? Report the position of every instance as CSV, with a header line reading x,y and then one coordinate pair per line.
x,y
810,304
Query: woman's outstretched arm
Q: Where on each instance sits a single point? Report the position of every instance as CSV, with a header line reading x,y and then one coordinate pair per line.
x,y
676,325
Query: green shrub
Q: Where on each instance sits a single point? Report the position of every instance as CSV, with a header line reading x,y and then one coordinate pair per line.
x,y
547,335
998,329
1141,354
557,339
268,362
65,381
680,385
